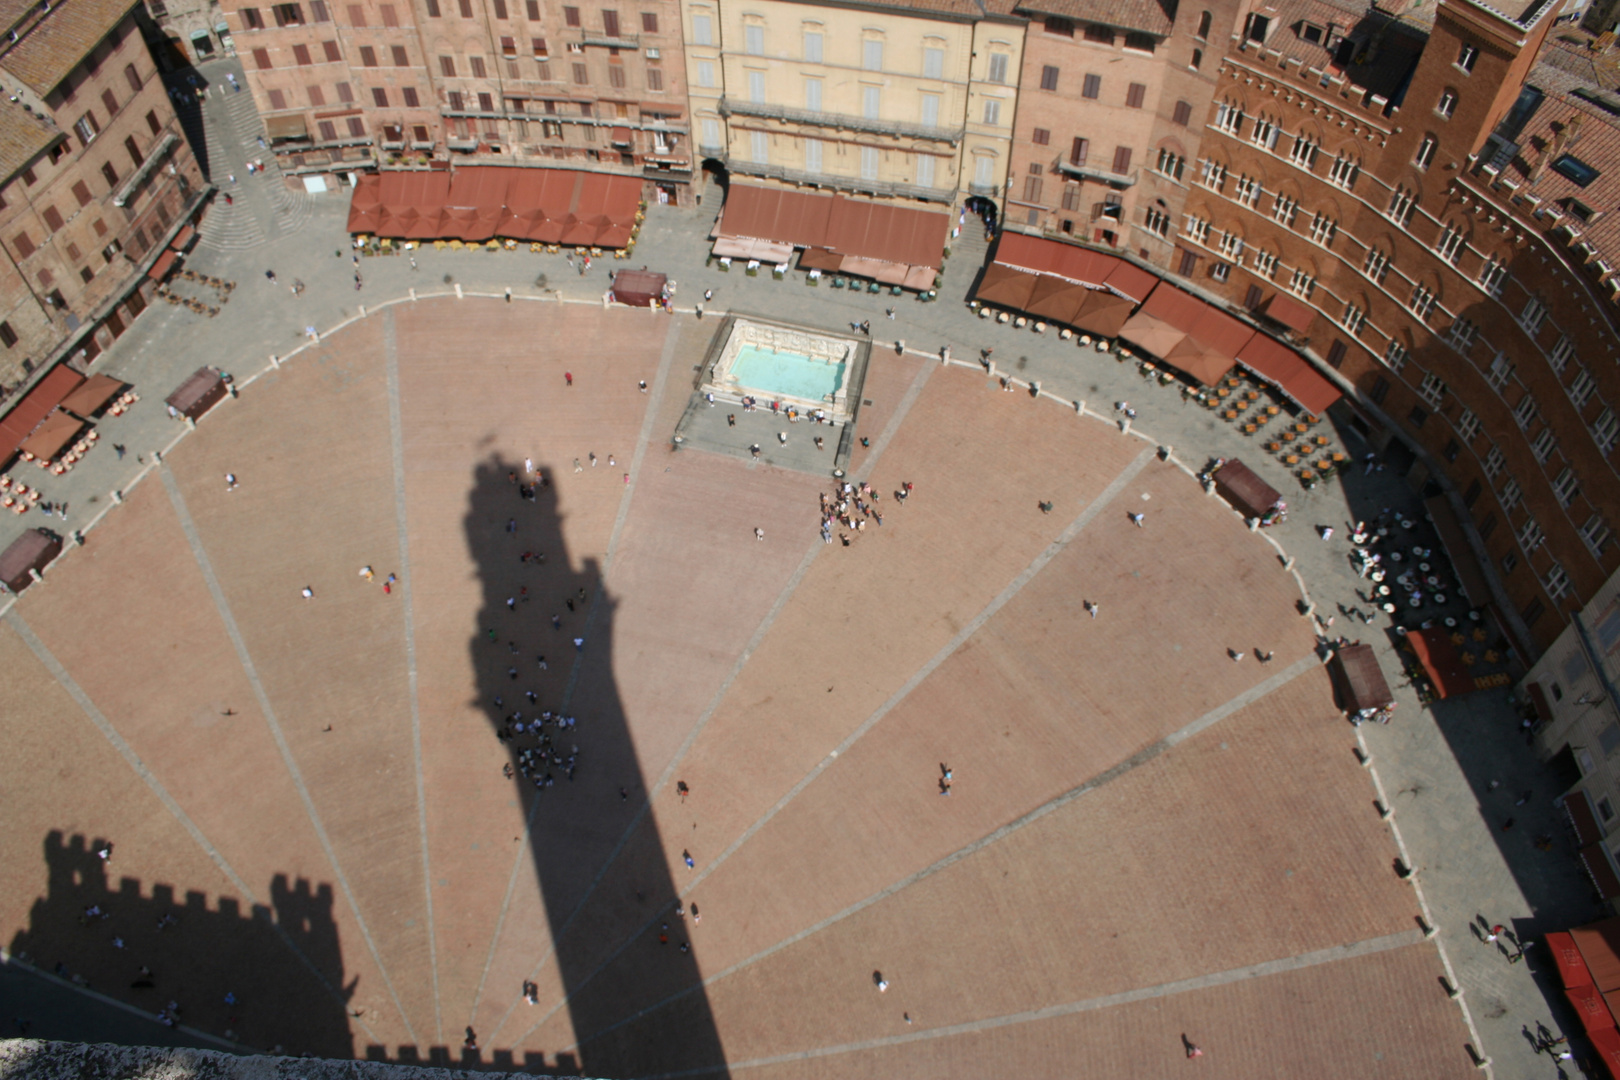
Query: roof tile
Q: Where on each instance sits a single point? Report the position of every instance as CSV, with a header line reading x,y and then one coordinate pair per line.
x,y
54,45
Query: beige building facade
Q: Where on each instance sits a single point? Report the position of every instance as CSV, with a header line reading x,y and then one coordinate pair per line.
x,y
885,100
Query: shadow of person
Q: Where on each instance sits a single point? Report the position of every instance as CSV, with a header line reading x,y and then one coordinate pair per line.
x,y
268,977
542,651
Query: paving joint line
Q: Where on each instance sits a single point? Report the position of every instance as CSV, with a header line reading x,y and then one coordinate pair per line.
x,y
396,439
649,421
217,590
1089,513
789,588
1107,776
93,712
1263,969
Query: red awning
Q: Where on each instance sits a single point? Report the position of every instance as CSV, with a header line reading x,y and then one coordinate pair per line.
x,y
1288,311
1607,1044
1578,808
620,135
1601,871
53,435
879,231
93,395
1599,944
1571,968
1439,658
35,405
1005,287
1097,269
1289,372
481,202
1103,313
1590,1007
165,262
183,238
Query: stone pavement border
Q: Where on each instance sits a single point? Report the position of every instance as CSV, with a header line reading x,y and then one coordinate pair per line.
x,y
1031,385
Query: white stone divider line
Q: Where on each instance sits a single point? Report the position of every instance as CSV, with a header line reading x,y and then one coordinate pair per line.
x,y
649,420
222,605
1414,879
1056,803
1016,585
8,960
783,596
1330,955
396,441
96,717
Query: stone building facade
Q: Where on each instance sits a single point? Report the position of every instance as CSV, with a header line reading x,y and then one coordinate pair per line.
x,y
1409,184
893,100
423,82
1111,104
95,179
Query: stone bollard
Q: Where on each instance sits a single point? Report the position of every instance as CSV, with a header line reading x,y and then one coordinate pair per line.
x,y
1384,810
191,425
157,456
34,575
1254,524
1079,408
1363,758
362,311
945,355
458,291
1310,609
275,361
1288,563
1428,930
1125,426
117,496
1453,991
1165,452
509,294
413,294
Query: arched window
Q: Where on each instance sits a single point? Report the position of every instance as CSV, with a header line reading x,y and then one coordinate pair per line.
x,y
1204,21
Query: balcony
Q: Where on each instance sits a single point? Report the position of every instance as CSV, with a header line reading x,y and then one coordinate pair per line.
x,y
989,191
732,107
1101,176
623,41
881,188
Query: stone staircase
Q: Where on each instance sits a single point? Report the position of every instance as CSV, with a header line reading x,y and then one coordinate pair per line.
x,y
261,205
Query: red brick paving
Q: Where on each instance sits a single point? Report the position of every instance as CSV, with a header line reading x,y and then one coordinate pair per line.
x,y
1254,840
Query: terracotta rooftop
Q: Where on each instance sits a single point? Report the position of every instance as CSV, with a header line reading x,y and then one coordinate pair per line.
x,y
22,138
1583,168
1155,17
54,45
1383,68
960,9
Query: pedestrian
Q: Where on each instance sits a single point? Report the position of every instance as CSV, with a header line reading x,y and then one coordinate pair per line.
x,y
731,419
708,294
1234,654
528,466
643,385
308,593
1046,507
1091,608
759,533
1136,519
889,312
579,644
1326,531
1491,935
627,479
228,200
119,449
577,466
271,274
413,262
367,573
471,1041
687,857
696,918
880,982
1508,824
230,481
593,461
568,377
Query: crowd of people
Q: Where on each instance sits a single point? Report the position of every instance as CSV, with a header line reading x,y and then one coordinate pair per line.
x,y
851,506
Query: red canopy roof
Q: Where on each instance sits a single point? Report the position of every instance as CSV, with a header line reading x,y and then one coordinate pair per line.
x,y
1288,311
21,421
1095,268
888,232
1291,373
480,202
1439,658
1571,968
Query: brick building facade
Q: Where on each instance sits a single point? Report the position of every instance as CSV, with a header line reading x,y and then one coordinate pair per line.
x,y
95,177
522,82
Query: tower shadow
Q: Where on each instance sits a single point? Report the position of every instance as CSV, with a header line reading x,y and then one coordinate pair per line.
x,y
579,785
269,977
